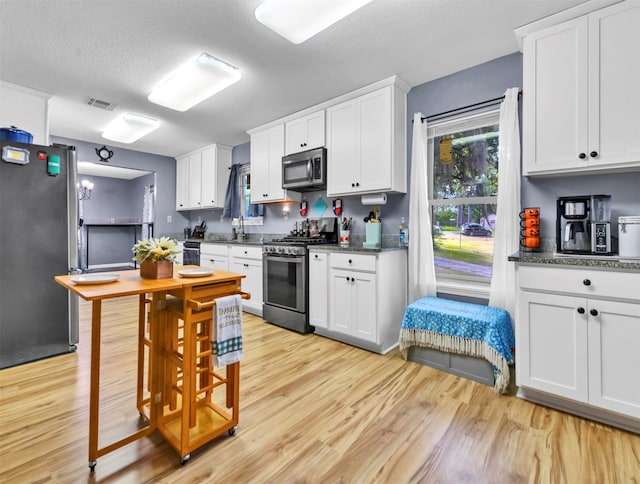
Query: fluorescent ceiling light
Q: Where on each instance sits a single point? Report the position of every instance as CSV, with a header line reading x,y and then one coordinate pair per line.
x,y
298,20
129,127
194,82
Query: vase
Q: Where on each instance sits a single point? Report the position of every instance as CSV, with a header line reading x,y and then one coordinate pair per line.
x,y
156,269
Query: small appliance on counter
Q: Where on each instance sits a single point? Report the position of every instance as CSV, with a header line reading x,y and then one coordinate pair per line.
x,y
583,225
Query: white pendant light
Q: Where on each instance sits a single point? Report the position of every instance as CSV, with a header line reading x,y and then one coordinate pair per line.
x,y
299,20
129,127
193,82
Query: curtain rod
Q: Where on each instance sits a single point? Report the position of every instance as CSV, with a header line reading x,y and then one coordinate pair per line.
x,y
462,109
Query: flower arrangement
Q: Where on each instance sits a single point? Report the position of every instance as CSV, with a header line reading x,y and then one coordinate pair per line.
x,y
164,248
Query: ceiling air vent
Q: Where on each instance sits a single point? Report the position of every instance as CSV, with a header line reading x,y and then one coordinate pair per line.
x,y
102,104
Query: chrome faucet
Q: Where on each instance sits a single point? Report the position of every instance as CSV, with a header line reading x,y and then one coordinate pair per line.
x,y
241,234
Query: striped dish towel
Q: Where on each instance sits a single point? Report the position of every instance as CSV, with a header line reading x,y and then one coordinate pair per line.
x,y
227,330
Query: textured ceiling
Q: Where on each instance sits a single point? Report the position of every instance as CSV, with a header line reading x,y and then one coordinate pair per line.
x,y
117,50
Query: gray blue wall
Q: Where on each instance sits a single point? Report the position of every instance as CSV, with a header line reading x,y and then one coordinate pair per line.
x,y
476,84
163,166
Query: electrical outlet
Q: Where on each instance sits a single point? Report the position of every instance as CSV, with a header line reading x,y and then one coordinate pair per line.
x,y
169,219
113,220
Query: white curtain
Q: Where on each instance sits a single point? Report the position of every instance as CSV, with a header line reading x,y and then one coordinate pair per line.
x,y
506,241
422,275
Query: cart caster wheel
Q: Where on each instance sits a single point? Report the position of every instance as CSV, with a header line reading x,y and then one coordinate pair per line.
x,y
185,459
92,465
232,430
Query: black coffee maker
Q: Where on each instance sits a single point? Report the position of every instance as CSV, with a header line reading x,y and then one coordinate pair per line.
x,y
582,225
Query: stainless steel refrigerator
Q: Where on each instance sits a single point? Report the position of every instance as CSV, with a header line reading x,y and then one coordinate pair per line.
x,y
38,240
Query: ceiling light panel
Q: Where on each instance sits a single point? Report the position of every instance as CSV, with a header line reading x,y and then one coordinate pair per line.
x,y
193,82
299,20
130,127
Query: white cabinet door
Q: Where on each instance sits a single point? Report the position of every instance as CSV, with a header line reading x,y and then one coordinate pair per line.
x,y
363,140
614,333
195,181
341,302
209,182
343,163
318,289
552,344
215,256
614,77
376,157
305,133
353,304
248,261
182,183
267,150
555,86
579,112
365,310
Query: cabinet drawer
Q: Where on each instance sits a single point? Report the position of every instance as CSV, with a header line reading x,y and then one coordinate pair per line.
x,y
358,262
587,282
248,252
214,249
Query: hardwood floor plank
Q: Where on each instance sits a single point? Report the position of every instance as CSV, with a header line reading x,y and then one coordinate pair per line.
x,y
312,410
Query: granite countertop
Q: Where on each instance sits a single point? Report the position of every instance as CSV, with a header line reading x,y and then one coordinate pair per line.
x,y
553,258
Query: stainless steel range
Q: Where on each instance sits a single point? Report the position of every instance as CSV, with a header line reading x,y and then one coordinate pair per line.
x,y
285,272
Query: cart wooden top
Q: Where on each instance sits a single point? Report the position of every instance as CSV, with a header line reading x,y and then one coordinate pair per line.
x,y
130,283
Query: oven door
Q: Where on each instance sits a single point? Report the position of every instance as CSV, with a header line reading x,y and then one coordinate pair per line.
x,y
285,282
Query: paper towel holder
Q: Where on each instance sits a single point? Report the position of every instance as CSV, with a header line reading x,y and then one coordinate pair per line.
x,y
374,199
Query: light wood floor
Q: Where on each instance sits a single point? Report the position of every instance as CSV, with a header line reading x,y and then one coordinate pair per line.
x,y
312,410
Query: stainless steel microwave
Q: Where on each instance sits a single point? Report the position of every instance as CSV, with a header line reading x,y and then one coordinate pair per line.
x,y
305,171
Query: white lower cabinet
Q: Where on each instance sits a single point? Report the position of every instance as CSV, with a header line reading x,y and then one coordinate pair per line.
x,y
178,258
318,289
215,256
365,297
247,260
577,334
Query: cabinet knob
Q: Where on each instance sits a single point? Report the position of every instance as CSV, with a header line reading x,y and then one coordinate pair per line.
x,y
347,278
353,185
350,261
580,310
245,252
582,156
593,154
353,280
357,184
586,282
593,312
316,256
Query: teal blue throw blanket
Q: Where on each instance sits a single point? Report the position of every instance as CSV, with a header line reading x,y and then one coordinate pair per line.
x,y
464,328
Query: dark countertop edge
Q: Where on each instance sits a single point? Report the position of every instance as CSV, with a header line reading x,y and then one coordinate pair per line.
x,y
353,248
550,258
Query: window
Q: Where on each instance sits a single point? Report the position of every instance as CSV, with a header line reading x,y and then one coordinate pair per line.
x,y
464,173
253,214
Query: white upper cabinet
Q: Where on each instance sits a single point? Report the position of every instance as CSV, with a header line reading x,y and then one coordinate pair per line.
x,y
366,144
580,104
305,133
202,177
267,150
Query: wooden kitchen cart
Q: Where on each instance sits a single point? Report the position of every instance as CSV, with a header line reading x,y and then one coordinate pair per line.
x,y
195,296
190,416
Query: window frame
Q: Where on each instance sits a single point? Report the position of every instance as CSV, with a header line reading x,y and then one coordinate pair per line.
x,y
245,169
469,285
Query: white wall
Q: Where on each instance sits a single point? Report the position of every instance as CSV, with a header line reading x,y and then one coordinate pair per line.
x,y
26,109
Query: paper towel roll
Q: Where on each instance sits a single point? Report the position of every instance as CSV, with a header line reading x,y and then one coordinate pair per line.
x,y
374,199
